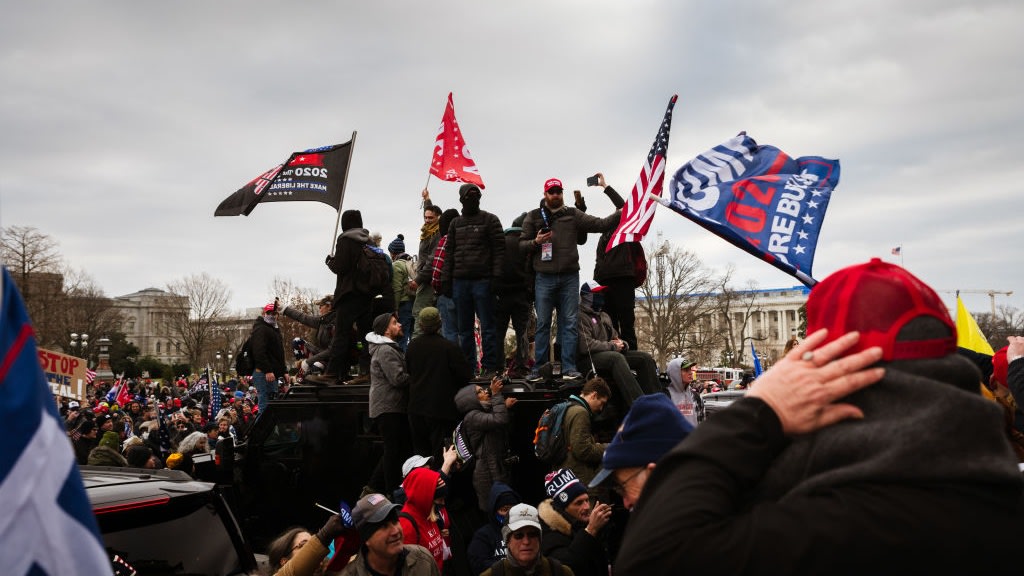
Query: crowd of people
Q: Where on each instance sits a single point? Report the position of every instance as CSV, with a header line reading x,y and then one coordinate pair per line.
x,y
869,448
157,426
874,445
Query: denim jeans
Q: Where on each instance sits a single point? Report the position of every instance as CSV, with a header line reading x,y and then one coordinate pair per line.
x,y
561,292
474,299
449,321
405,319
264,389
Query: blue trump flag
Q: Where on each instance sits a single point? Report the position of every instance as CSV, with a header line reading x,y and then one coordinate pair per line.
x,y
759,199
47,526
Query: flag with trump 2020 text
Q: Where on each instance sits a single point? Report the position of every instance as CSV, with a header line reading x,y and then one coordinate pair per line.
x,y
47,526
452,161
638,212
759,199
315,175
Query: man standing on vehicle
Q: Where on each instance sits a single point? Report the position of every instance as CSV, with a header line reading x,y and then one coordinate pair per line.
x,y
549,238
352,305
383,550
430,233
475,252
267,354
389,397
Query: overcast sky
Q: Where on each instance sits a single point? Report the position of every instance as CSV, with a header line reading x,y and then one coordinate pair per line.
x,y
124,124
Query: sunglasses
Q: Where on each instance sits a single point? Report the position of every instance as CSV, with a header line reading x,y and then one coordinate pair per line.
x,y
526,534
555,192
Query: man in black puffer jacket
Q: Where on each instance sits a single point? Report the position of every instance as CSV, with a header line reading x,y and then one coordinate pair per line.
x,y
475,252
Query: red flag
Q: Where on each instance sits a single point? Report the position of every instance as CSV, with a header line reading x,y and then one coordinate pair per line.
x,y
639,209
452,161
122,394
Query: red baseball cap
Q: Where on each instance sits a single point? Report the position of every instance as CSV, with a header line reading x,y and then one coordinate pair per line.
x,y
880,300
552,183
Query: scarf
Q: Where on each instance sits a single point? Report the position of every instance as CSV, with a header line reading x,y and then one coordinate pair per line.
x,y
429,230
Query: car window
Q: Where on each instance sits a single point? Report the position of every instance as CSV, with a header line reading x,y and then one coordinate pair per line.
x,y
171,539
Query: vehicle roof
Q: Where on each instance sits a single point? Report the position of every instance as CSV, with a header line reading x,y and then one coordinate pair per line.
x,y
108,485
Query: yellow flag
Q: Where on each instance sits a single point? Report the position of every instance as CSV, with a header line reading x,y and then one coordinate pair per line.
x,y
968,335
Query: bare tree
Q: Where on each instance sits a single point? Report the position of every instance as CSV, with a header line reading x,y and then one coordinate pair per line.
x,y
302,298
1008,321
86,309
676,303
36,265
736,310
196,325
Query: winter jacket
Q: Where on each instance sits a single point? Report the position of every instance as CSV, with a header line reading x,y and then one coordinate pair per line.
x,y
486,430
437,369
688,400
389,380
488,545
544,569
319,351
617,262
585,453
420,486
925,483
414,561
347,252
267,348
401,273
566,541
83,446
305,560
565,223
595,331
424,265
475,248
514,274
106,456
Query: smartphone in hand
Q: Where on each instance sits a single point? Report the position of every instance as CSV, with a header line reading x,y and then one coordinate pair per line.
x,y
592,181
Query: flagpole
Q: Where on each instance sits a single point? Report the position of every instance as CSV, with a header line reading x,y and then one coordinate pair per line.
x,y
423,203
341,200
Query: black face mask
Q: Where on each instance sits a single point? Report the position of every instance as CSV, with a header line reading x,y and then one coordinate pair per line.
x,y
598,304
470,205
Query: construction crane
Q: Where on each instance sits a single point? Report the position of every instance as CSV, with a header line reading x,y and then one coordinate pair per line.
x,y
991,295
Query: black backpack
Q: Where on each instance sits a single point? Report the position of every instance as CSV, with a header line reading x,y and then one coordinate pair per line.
x,y
244,364
373,272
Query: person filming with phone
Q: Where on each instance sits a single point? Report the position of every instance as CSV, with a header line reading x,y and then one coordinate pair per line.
x,y
549,239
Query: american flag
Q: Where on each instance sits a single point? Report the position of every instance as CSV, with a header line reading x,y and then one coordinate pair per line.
x,y
48,526
638,212
897,250
452,161
90,375
214,397
165,434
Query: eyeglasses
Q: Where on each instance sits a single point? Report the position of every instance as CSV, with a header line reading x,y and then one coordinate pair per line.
x,y
526,534
620,487
555,192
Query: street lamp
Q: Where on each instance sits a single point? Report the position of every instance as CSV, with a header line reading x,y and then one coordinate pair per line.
x,y
79,343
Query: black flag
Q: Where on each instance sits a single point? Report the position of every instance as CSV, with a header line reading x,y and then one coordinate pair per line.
x,y
316,175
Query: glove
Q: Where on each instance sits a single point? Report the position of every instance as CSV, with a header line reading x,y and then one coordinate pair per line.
x,y
330,262
332,529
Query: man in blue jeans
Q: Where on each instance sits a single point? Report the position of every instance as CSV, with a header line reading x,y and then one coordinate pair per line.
x,y
474,254
549,240
267,354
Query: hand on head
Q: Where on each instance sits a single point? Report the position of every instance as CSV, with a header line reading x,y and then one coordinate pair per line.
x,y
804,386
